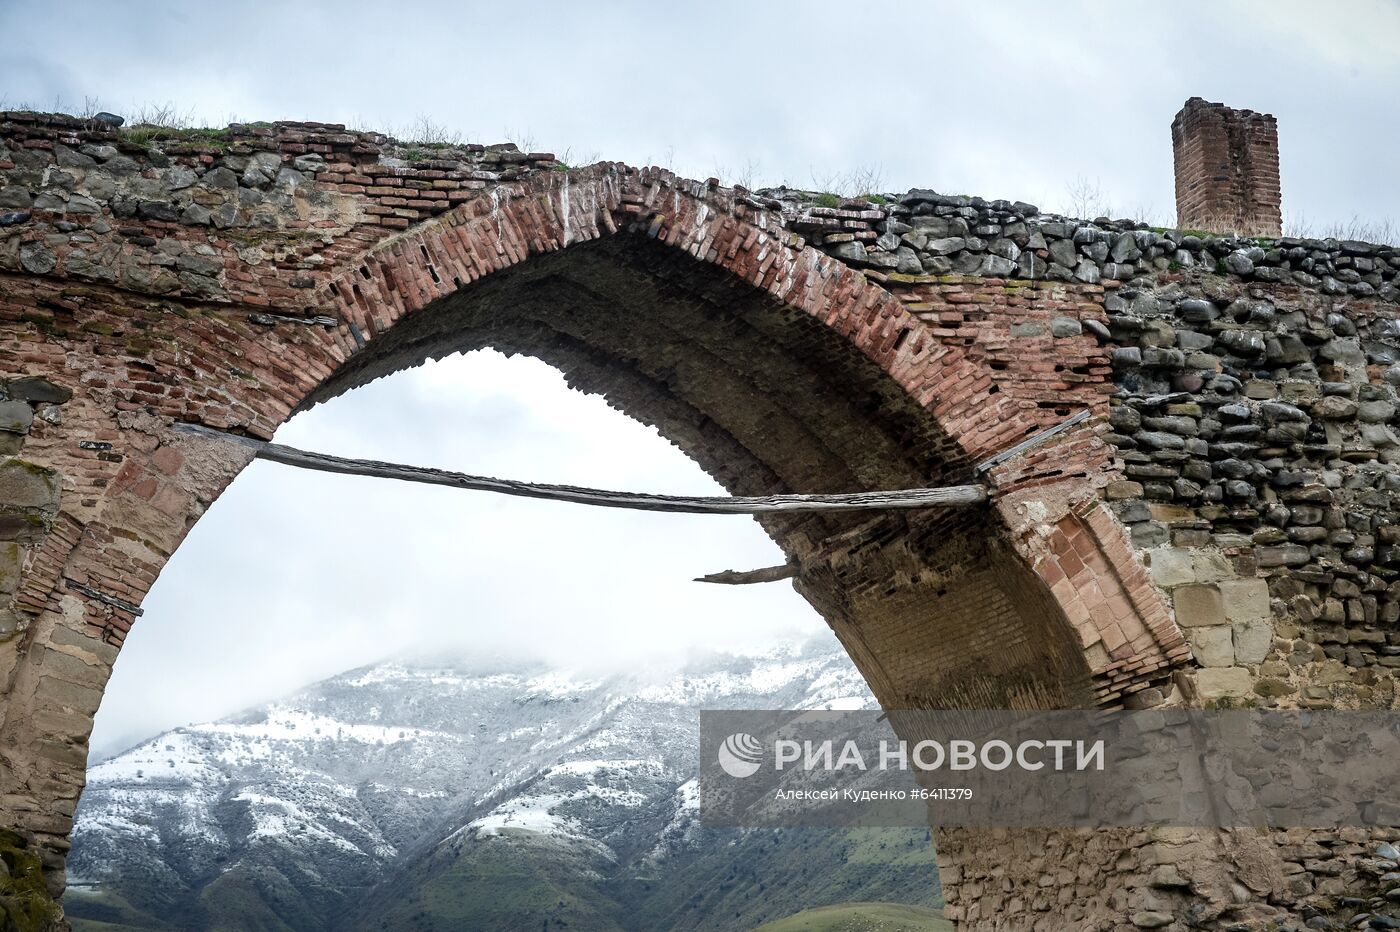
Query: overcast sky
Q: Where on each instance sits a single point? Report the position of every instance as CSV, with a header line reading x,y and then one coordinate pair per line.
x,y
292,576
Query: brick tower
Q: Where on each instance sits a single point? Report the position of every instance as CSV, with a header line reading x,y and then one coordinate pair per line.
x,y
1226,170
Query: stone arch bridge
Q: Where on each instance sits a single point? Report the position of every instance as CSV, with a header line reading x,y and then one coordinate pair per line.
x,y
1221,528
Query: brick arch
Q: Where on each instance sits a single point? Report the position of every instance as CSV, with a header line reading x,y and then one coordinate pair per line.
x,y
1087,567
797,372
549,212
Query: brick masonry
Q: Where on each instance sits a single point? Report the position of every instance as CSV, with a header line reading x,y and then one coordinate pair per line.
x,y
1139,559
1226,164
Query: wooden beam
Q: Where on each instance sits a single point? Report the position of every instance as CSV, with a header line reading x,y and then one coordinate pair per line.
x,y
1030,442
746,577
957,496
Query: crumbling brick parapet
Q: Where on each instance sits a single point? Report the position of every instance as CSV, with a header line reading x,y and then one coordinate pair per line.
x,y
1227,178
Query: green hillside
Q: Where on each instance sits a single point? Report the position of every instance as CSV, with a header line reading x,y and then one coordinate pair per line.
x,y
517,881
862,917
741,879
731,883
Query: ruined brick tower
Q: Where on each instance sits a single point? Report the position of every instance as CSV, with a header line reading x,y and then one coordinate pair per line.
x,y
1226,170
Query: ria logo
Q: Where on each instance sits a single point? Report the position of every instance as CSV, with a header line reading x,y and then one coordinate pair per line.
x,y
739,755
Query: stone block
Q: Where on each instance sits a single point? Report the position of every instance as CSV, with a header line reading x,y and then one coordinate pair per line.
x,y
10,555
1170,513
15,417
1210,566
71,668
71,726
55,692
1144,699
63,753
1172,566
1245,600
1224,682
1198,606
1121,489
1272,688
1167,875
1286,555
27,485
1149,534
99,649
37,389
1331,673
1252,638
1213,646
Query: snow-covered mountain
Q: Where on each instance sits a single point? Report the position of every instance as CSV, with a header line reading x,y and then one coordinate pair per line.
x,y
416,794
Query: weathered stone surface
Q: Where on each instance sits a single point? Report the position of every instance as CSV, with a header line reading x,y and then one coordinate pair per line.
x,y
36,258
1212,646
15,417
37,389
1252,640
1217,683
1198,606
28,485
1245,600
1172,566
10,554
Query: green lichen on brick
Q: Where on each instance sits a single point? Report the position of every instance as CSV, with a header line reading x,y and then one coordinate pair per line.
x,y
25,904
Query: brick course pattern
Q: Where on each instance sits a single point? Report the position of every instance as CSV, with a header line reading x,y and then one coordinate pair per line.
x,y
233,278
1227,177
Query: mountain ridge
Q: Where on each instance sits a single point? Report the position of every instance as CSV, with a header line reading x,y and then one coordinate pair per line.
x,y
415,793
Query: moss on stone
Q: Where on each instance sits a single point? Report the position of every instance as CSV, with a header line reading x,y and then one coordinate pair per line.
x,y
1273,688
146,134
25,904
1199,234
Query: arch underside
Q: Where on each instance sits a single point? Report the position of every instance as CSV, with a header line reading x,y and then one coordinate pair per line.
x,y
934,607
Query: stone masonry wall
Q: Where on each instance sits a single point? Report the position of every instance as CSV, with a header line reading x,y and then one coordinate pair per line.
x,y
1221,531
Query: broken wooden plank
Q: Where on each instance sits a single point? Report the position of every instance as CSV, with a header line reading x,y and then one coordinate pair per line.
x,y
1034,440
957,496
747,577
